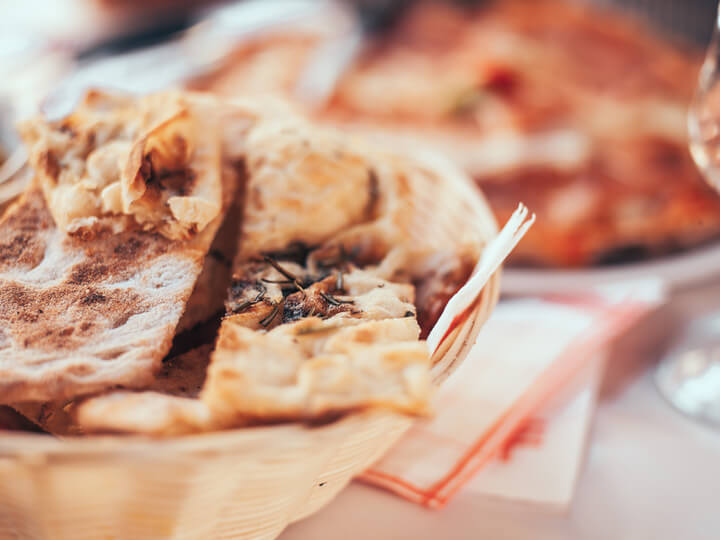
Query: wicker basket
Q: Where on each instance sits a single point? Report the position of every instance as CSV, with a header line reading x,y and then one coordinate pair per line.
x,y
247,483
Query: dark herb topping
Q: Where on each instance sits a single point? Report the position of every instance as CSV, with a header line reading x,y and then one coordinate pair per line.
x,y
238,291
289,275
330,299
267,320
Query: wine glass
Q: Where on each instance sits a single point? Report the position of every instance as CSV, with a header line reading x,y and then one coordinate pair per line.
x,y
689,375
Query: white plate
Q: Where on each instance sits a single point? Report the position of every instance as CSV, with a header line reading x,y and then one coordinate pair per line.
x,y
677,271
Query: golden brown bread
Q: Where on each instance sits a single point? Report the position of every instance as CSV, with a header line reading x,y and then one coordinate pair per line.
x,y
93,301
80,315
311,366
206,302
308,332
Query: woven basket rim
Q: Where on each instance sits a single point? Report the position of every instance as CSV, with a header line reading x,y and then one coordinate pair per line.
x,y
31,444
34,446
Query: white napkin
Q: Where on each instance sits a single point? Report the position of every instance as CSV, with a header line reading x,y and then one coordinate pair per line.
x,y
528,353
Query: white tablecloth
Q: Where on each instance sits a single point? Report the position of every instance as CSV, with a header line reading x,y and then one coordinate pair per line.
x,y
650,473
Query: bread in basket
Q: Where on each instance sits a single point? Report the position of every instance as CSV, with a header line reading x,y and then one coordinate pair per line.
x,y
250,473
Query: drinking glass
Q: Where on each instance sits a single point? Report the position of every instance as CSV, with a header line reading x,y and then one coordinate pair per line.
x,y
689,375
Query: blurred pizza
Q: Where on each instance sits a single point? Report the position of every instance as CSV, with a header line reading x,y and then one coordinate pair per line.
x,y
577,111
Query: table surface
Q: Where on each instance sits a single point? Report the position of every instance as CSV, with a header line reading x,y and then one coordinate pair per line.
x,y
650,473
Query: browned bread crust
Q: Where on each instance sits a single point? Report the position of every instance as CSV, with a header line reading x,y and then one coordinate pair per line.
x,y
78,315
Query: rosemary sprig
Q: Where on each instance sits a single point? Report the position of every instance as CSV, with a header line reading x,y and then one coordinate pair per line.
x,y
330,299
243,306
267,320
289,275
272,262
260,295
278,281
248,303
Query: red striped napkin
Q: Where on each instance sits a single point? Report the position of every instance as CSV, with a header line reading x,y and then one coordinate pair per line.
x,y
528,352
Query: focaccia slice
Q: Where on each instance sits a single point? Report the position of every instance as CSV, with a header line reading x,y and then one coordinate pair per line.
x,y
79,316
310,365
95,302
206,302
323,197
299,291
